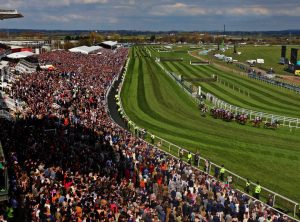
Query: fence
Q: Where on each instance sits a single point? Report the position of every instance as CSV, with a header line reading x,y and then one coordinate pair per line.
x,y
176,151
266,117
275,82
201,63
165,59
248,71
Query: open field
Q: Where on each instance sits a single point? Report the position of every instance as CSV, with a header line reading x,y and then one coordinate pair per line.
x,y
153,101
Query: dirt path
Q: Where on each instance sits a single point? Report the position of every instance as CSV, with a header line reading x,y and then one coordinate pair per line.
x,y
291,79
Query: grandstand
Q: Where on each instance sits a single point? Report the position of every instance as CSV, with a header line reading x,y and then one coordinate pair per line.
x,y
109,44
27,65
4,186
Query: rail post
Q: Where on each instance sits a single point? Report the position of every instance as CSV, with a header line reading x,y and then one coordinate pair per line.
x,y
295,209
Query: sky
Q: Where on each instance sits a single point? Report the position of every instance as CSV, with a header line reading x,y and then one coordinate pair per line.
x,y
154,15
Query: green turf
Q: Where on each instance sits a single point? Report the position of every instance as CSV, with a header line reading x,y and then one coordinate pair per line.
x,y
242,91
153,101
236,89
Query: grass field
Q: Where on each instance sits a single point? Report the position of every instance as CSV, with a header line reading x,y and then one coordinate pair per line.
x,y
153,101
271,55
236,89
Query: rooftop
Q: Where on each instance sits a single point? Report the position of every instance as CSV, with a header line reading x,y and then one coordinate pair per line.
x,y
9,14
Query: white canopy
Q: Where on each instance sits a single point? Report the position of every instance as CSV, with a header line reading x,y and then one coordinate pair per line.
x,y
110,43
20,55
85,49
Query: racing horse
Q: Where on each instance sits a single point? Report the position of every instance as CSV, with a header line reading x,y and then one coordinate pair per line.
x,y
214,112
272,125
256,122
241,118
203,108
228,116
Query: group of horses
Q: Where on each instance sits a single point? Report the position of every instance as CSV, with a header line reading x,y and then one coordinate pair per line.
x,y
240,118
229,116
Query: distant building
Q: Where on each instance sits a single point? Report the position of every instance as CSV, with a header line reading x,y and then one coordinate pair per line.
x,y
9,14
109,44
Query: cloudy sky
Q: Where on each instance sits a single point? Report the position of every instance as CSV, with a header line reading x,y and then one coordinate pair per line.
x,y
244,15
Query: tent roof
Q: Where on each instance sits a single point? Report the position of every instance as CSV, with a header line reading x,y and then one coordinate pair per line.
x,y
20,55
110,43
85,49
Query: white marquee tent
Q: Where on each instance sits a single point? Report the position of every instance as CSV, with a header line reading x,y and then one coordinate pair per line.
x,y
20,55
85,49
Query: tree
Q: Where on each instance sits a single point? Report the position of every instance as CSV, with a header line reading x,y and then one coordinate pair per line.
x,y
68,38
94,38
116,37
152,38
68,45
84,41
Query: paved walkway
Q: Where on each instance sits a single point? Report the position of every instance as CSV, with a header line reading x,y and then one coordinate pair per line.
x,y
111,103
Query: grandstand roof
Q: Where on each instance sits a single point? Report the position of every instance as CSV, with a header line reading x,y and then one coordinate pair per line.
x,y
110,43
85,49
9,14
20,55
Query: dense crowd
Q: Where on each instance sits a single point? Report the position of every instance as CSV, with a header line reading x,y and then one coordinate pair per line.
x,y
2,50
68,161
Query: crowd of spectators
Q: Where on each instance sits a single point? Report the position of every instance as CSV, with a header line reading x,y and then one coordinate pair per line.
x,y
68,161
2,50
